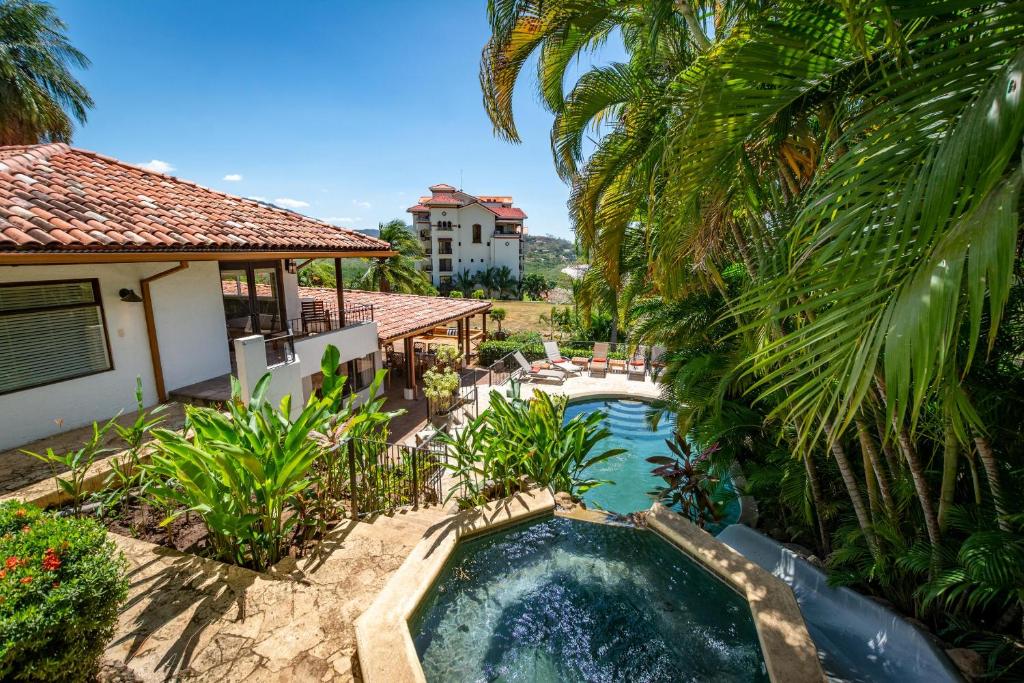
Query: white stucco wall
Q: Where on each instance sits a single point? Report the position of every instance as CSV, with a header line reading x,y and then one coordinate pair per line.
x,y
193,344
490,252
352,342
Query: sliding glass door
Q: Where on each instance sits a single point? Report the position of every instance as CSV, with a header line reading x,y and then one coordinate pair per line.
x,y
253,301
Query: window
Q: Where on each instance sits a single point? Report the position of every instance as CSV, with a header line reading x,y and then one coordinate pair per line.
x,y
477,234
51,332
445,265
444,246
360,373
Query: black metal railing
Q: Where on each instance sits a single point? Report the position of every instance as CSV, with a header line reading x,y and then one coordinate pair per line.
x,y
328,320
386,476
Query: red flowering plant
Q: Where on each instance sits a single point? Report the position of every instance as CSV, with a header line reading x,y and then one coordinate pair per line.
x,y
61,586
689,483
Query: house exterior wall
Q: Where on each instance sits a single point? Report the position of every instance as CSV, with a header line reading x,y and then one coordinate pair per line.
x,y
189,314
493,250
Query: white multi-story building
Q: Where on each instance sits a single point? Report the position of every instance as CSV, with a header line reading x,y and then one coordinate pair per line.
x,y
461,232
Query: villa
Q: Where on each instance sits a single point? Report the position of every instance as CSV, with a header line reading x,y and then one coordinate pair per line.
x,y
461,232
109,272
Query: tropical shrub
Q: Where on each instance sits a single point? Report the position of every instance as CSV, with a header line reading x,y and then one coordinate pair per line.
x,y
496,349
61,586
456,294
439,386
517,442
77,462
688,484
478,294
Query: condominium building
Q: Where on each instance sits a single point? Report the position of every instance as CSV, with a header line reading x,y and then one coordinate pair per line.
x,y
461,232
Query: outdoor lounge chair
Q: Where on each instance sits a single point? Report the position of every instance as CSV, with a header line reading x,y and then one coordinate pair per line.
x,y
599,362
657,361
531,373
556,358
637,366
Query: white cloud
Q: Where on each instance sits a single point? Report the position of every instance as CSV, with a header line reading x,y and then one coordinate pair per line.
x,y
361,205
233,177
156,165
289,203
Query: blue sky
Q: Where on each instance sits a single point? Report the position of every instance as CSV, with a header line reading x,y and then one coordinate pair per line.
x,y
345,111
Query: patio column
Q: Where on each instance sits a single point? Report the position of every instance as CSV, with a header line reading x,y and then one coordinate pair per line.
x,y
339,286
465,328
462,336
410,371
483,317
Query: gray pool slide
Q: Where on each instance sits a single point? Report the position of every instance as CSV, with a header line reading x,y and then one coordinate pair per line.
x,y
858,639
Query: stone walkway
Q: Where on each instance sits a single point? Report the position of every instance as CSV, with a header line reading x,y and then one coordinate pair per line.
x,y
196,619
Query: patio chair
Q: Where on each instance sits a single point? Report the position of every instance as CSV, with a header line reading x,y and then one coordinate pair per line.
x,y
536,373
657,361
599,362
556,358
637,366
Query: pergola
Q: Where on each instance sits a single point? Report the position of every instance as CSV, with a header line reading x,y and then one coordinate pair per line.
x,y
402,318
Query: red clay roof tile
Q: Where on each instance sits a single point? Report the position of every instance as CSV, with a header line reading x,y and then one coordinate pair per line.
x,y
57,198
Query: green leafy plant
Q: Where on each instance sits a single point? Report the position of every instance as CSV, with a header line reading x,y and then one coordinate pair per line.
x,y
515,441
61,586
456,294
439,387
478,294
688,484
77,462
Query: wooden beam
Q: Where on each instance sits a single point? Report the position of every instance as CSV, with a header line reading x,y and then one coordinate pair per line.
x,y
154,342
45,258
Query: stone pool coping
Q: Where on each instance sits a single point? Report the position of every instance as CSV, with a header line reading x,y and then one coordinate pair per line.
x,y
789,653
386,650
387,653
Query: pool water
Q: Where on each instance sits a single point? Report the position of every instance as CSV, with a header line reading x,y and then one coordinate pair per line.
x,y
630,471
566,600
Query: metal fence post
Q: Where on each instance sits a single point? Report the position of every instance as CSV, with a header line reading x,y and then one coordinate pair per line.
x,y
415,477
352,478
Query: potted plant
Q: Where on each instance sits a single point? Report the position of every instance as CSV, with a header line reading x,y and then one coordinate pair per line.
x,y
439,386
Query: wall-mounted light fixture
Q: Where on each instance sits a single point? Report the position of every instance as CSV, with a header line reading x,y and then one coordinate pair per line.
x,y
129,296
290,266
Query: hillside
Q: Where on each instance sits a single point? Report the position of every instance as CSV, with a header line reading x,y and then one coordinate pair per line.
x,y
548,255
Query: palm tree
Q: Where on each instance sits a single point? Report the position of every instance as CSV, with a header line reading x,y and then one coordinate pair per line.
x,y
464,281
505,283
39,96
401,272
845,179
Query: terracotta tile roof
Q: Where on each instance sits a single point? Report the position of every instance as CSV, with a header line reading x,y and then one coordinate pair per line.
x,y
57,198
446,199
509,212
398,315
446,195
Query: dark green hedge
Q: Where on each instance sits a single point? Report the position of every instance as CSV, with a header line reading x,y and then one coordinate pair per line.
x,y
61,586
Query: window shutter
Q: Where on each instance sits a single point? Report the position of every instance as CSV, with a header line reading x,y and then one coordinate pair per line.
x,y
50,332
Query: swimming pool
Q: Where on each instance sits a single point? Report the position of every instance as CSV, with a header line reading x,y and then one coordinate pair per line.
x,y
566,600
630,471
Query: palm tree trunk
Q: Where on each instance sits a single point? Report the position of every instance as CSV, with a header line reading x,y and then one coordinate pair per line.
x,y
950,465
819,501
975,479
868,446
700,39
916,467
988,461
850,480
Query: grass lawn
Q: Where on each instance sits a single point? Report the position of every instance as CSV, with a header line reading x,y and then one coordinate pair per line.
x,y
522,316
